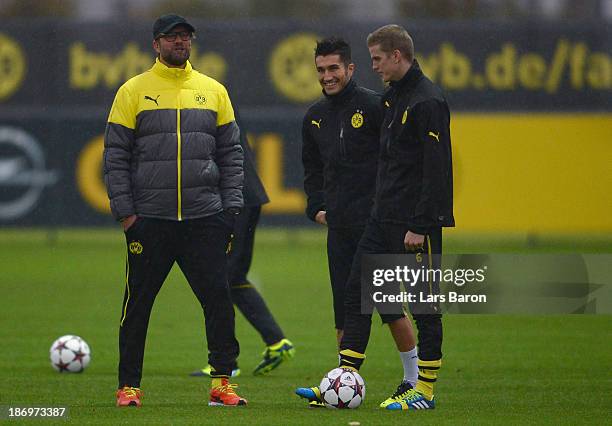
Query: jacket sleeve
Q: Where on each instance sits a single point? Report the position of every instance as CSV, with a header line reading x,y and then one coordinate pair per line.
x,y
313,172
433,129
118,144
229,155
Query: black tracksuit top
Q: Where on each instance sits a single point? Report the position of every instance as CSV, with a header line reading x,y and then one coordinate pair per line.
x,y
340,145
415,176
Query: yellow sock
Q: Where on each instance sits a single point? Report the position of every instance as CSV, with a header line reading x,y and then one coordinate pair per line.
x,y
428,374
351,359
217,381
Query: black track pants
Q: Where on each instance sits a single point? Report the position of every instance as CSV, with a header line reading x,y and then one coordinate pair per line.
x,y
199,247
244,294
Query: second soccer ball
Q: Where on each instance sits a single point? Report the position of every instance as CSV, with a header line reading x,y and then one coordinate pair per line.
x,y
69,354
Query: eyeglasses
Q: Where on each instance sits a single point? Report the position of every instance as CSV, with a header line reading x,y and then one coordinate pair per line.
x,y
184,35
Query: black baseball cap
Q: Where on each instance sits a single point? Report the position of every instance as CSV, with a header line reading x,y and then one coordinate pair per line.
x,y
166,22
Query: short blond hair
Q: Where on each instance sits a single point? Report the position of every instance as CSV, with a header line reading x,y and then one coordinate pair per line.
x,y
393,37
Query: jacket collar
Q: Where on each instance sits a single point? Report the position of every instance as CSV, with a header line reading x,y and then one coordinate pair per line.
x,y
172,73
346,93
410,79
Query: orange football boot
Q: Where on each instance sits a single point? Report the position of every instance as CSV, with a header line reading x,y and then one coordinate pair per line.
x,y
128,396
224,394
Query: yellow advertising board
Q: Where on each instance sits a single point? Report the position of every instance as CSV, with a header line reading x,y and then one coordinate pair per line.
x,y
540,173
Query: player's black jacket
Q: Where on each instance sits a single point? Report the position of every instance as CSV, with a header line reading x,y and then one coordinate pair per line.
x,y
340,136
415,176
253,190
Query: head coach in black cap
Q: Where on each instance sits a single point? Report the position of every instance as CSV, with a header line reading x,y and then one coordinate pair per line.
x,y
177,33
173,168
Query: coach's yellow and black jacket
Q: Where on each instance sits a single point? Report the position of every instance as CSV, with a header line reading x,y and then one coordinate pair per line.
x,y
172,147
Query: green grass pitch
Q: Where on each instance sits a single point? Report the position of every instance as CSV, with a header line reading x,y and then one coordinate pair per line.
x,y
496,369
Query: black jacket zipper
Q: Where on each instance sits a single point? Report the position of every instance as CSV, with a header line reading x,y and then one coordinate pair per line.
x,y
343,153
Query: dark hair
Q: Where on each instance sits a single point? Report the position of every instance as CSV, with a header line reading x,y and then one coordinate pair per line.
x,y
393,37
334,46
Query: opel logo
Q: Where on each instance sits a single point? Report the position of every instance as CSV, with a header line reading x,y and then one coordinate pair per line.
x,y
23,175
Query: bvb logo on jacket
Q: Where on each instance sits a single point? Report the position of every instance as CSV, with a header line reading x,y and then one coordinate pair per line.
x,y
200,98
357,119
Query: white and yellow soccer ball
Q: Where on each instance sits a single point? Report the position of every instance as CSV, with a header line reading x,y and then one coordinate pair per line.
x,y
69,354
342,388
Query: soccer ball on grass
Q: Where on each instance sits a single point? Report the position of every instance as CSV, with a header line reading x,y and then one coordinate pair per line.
x,y
70,354
342,388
